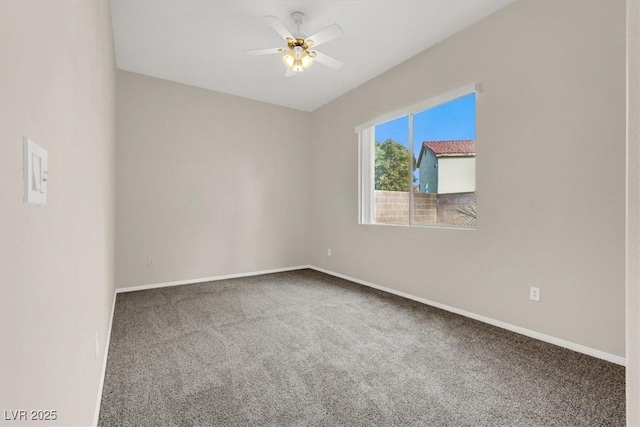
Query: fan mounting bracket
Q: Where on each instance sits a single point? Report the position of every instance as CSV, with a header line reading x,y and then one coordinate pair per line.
x,y
298,17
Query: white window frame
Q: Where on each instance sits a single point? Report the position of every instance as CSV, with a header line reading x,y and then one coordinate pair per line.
x,y
366,143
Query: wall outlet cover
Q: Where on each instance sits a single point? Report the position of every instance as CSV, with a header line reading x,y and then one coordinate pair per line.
x,y
534,293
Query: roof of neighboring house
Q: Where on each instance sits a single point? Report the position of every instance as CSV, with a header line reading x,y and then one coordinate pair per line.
x,y
440,148
458,147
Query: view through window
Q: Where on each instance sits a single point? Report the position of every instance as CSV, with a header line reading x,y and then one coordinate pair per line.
x,y
425,166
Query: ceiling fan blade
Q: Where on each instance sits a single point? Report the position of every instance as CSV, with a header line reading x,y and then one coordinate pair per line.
x,y
289,72
328,34
270,51
327,60
280,28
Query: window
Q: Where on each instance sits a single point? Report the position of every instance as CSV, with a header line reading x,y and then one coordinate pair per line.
x,y
418,166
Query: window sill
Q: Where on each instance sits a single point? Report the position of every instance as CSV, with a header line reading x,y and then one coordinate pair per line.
x,y
436,226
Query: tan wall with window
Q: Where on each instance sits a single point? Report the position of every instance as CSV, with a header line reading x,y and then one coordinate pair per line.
x,y
553,81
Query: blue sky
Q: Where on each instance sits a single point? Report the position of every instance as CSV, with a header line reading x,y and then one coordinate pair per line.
x,y
455,119
452,120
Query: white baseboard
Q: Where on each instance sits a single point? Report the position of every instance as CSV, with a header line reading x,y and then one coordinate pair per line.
x,y
513,328
96,415
208,279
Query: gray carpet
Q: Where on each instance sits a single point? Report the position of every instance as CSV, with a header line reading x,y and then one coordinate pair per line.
x,y
305,348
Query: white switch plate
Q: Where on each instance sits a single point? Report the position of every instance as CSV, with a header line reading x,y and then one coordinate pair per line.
x,y
328,252
534,294
36,171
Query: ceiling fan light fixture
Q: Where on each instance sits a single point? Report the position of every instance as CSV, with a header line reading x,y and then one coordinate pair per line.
x,y
297,55
306,60
297,66
289,59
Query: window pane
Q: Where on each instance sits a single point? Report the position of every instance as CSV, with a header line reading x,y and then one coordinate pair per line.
x,y
444,142
392,172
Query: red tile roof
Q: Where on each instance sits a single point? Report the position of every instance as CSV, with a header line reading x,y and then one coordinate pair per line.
x,y
448,148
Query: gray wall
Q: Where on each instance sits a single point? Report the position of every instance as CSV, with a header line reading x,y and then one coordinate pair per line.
x,y
207,184
633,214
553,81
57,87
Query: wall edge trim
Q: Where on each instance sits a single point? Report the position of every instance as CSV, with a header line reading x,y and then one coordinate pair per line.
x,y
208,279
107,343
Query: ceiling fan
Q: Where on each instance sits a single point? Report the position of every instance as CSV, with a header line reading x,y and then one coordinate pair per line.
x,y
300,51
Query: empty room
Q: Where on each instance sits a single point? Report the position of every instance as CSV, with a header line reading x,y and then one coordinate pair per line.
x,y
320,213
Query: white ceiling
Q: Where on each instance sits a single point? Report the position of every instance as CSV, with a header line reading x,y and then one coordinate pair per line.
x,y
203,43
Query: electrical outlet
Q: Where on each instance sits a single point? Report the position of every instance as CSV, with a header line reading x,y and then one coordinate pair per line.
x,y
97,345
328,252
151,262
534,294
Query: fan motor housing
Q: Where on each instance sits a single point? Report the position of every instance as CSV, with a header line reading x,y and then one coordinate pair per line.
x,y
298,42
